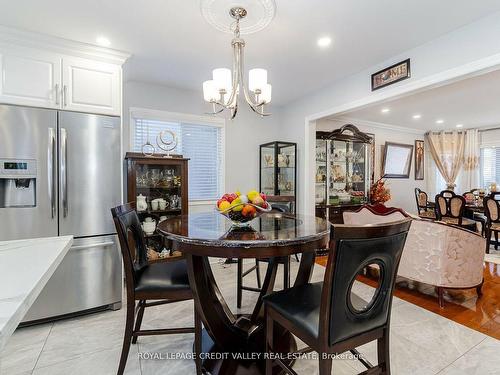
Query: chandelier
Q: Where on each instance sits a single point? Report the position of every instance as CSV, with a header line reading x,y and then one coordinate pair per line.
x,y
223,90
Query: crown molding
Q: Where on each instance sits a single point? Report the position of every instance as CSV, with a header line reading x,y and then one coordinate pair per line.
x,y
21,38
378,125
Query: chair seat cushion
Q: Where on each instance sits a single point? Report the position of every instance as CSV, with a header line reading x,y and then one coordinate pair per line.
x,y
453,220
300,305
495,226
427,214
163,277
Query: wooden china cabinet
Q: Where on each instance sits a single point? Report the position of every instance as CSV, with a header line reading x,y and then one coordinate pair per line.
x,y
344,171
162,183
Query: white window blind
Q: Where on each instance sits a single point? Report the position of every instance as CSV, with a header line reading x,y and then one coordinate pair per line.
x,y
202,144
490,165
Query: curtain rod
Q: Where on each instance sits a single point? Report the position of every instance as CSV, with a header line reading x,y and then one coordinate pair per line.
x,y
487,130
462,131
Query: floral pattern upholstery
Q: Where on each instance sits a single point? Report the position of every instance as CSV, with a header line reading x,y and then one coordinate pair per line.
x,y
435,253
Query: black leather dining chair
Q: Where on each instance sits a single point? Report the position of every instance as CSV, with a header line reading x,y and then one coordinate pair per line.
x,y
328,316
162,282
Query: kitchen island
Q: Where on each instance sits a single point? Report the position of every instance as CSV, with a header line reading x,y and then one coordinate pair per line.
x,y
25,268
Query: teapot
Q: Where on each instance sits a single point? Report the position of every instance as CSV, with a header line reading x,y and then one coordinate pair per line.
x,y
141,203
149,225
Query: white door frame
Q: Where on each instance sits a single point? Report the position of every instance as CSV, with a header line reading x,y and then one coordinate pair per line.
x,y
410,87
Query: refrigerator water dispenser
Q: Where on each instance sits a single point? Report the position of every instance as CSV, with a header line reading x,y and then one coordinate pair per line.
x,y
17,183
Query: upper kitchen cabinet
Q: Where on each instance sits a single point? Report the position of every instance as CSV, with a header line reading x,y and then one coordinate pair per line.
x,y
43,71
90,86
30,77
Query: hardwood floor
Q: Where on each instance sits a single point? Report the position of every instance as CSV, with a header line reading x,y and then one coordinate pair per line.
x,y
462,306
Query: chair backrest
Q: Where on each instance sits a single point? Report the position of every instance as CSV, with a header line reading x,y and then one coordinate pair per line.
x,y
354,248
448,204
132,244
422,198
495,195
447,193
369,214
286,202
492,209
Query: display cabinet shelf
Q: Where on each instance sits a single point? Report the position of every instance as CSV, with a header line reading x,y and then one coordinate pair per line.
x,y
278,174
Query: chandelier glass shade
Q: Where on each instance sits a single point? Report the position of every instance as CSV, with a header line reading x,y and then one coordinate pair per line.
x,y
223,90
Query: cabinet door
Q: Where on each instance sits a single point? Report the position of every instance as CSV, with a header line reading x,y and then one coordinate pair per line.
x,y
30,77
90,86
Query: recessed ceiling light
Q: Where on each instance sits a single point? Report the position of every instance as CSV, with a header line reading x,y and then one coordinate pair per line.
x,y
439,121
416,117
103,41
460,125
324,42
385,110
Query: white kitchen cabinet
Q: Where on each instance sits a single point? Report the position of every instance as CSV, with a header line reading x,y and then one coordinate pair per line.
x,y
30,77
91,86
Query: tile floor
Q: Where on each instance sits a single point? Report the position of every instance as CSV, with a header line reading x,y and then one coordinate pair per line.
x,y
421,342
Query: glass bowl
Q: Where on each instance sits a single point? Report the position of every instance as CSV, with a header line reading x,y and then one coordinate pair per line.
x,y
241,214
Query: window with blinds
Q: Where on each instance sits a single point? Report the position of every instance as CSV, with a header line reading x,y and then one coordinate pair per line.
x,y
202,144
490,165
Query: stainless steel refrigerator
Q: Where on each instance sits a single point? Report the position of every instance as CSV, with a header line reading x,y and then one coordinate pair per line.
x,y
60,173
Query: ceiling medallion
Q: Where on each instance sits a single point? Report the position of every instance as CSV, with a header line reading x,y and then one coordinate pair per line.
x,y
260,14
223,90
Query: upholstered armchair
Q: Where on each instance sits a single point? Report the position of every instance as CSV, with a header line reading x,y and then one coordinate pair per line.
x,y
435,253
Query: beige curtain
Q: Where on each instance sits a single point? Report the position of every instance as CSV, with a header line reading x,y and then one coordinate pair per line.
x,y
469,178
447,150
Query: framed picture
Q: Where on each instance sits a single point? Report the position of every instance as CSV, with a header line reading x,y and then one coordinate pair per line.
x,y
419,160
397,160
390,75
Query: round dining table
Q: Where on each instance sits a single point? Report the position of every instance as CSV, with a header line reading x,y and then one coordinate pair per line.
x,y
235,343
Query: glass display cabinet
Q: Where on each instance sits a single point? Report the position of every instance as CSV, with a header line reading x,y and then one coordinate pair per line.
x,y
278,174
344,171
159,187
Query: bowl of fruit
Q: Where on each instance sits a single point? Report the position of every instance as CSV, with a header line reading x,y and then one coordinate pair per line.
x,y
240,209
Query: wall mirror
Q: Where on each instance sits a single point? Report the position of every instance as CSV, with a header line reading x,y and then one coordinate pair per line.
x,y
397,160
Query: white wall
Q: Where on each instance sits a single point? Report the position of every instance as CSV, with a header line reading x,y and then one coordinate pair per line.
x,y
402,190
464,51
244,134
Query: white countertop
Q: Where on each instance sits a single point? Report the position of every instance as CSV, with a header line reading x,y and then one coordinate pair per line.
x,y
25,268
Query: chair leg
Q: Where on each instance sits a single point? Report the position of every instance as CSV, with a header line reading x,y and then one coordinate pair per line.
x,y
297,258
384,359
127,338
496,239
441,296
269,343
257,271
239,282
325,366
138,321
286,273
487,233
197,342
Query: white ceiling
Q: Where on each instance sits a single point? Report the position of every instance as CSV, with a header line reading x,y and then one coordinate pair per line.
x,y
172,44
472,102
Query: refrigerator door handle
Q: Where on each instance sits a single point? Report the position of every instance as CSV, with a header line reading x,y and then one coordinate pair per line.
x,y
50,171
93,245
64,170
